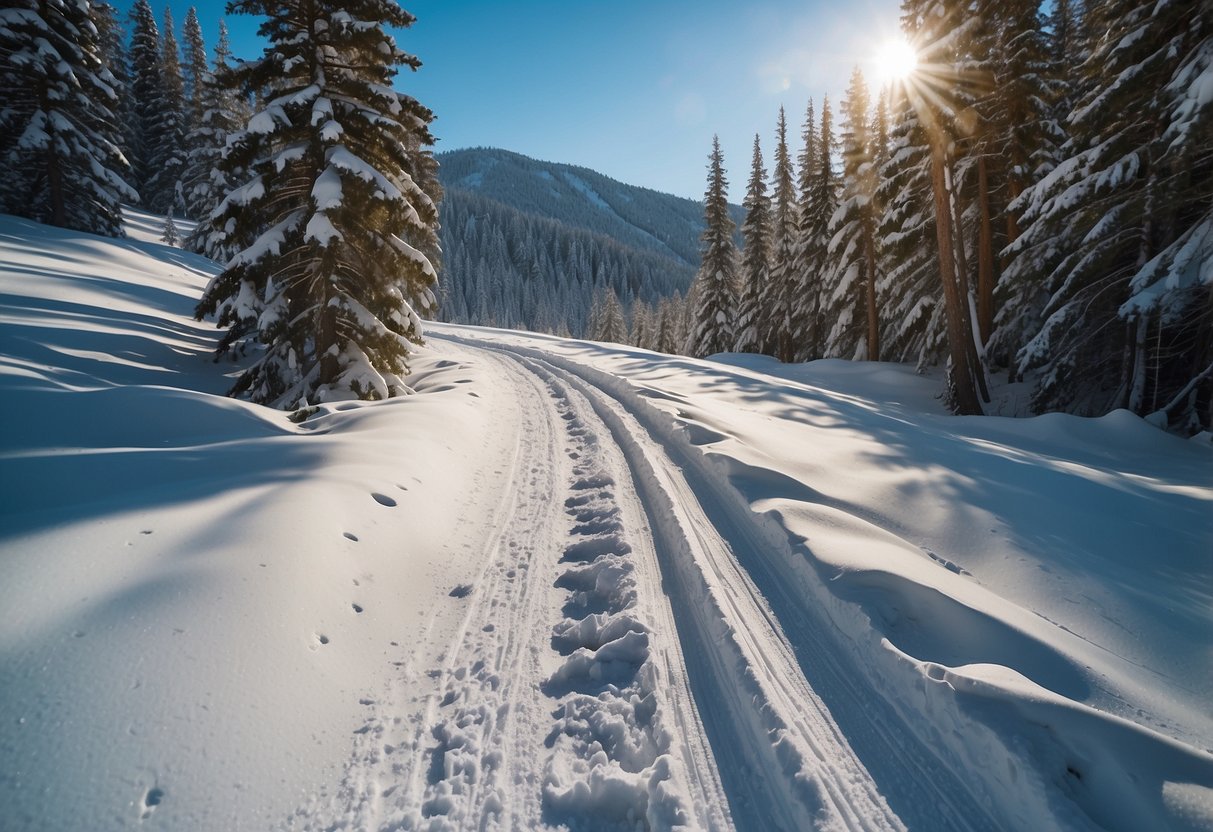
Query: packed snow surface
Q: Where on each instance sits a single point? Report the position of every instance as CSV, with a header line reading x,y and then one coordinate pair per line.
x,y
571,586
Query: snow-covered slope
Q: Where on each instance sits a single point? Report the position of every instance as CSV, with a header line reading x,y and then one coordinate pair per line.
x,y
567,585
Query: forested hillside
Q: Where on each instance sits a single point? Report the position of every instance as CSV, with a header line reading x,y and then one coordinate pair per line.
x,y
528,244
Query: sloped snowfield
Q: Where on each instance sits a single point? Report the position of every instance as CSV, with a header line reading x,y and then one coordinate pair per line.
x,y
573,586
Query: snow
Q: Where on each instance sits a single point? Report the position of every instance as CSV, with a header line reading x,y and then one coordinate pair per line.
x,y
567,585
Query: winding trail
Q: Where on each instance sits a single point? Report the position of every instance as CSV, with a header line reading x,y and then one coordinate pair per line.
x,y
623,661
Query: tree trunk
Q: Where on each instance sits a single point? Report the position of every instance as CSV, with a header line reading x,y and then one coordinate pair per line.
x,y
963,384
54,188
985,257
1137,387
869,254
976,366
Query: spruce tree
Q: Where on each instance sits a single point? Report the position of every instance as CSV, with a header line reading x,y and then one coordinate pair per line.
x,y
331,225
204,182
112,41
612,327
781,294
166,150
819,200
712,326
63,165
909,292
145,94
170,236
1121,230
755,259
195,71
851,304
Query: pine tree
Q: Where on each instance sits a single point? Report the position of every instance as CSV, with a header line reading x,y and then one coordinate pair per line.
x,y
195,71
1122,231
612,327
204,182
909,291
851,304
166,150
145,94
712,329
170,236
819,201
62,164
785,221
755,259
113,57
331,224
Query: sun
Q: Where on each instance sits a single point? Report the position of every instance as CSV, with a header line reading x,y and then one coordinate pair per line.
x,y
894,61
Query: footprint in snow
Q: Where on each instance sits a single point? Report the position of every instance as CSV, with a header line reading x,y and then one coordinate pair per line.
x,y
350,536
383,499
151,800
461,591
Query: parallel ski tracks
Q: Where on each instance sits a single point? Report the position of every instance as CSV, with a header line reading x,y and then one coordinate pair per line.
x,y
782,756
624,660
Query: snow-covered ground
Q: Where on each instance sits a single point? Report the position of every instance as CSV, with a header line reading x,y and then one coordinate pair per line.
x,y
572,585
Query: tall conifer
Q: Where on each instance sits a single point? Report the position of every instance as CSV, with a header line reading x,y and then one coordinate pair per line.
x,y
715,300
331,224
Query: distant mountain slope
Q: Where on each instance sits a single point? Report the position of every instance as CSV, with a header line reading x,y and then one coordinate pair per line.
x,y
580,197
527,243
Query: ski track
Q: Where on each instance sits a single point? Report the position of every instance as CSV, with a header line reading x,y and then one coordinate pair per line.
x,y
624,660
787,759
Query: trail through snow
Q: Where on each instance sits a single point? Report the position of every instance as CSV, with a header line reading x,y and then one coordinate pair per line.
x,y
570,586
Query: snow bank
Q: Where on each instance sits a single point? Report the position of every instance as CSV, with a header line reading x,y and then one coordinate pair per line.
x,y
1034,597
199,595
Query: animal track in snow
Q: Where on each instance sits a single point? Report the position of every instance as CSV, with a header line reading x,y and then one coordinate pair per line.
x,y
153,798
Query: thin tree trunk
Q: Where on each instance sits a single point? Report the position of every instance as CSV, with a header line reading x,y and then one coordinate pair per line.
x,y
962,269
54,188
985,257
869,247
967,402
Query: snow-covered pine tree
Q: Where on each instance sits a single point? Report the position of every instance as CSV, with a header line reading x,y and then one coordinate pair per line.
x,y
62,165
909,292
782,286
942,108
331,225
204,181
819,201
712,327
1122,230
611,326
145,93
166,150
170,236
644,325
194,71
112,41
851,301
755,259
1013,138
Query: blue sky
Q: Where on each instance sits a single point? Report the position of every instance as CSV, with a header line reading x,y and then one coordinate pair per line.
x,y
632,89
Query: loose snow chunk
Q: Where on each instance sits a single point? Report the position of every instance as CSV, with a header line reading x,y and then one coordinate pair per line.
x,y
327,191
267,120
322,109
331,131
308,93
321,229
